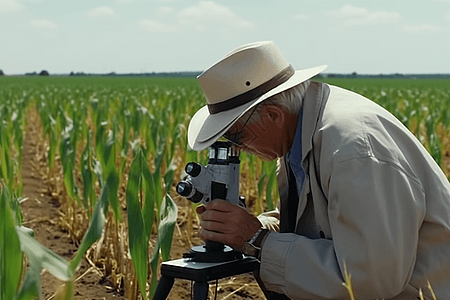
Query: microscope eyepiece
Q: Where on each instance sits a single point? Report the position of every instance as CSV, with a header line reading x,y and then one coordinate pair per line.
x,y
193,169
184,188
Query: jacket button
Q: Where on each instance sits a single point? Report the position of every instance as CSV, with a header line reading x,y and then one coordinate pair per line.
x,y
322,235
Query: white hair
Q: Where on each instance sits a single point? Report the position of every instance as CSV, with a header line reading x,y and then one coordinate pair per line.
x,y
291,100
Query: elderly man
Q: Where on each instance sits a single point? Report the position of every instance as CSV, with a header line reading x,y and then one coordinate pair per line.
x,y
357,189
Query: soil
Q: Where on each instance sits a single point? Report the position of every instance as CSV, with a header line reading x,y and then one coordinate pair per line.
x,y
42,212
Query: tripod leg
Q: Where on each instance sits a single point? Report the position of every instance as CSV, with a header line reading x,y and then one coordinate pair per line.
x,y
164,286
201,290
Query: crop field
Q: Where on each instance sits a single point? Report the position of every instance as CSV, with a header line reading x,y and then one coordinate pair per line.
x,y
90,165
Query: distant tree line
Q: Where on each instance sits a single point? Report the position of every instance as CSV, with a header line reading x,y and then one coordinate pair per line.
x,y
387,76
196,73
42,73
153,74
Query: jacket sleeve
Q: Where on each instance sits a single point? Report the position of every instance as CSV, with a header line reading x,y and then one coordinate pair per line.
x,y
375,210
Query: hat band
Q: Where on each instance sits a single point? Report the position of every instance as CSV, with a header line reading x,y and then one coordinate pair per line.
x,y
251,95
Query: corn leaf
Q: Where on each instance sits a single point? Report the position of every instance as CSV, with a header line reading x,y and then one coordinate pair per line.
x,y
168,217
168,213
261,183
31,288
95,227
10,254
137,237
6,163
40,257
166,226
52,147
89,197
112,180
169,175
67,152
148,187
47,259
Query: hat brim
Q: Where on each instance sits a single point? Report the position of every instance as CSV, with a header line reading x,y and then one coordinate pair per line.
x,y
205,128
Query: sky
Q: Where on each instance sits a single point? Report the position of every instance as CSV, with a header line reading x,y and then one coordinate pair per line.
x,y
138,36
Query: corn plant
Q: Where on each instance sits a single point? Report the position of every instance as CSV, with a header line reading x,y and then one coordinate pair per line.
x,y
140,209
15,241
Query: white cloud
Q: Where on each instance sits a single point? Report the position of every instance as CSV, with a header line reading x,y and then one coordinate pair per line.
x,y
102,11
43,24
155,26
202,17
207,13
10,5
421,28
362,16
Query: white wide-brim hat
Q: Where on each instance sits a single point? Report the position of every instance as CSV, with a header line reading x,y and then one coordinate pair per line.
x,y
243,78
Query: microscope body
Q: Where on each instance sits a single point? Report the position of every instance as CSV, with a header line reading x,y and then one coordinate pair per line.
x,y
219,179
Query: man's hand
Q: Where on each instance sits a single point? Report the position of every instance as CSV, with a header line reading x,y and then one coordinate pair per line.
x,y
227,223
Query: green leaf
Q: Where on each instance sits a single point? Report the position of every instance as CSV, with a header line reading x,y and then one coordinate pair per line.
x,y
10,254
261,182
31,286
87,173
52,147
67,153
149,189
136,229
95,227
166,226
47,259
98,171
40,257
169,175
112,180
164,240
6,163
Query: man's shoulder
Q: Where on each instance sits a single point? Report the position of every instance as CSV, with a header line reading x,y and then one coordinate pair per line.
x,y
346,121
340,126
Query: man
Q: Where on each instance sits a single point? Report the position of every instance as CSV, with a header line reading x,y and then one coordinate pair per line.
x,y
357,189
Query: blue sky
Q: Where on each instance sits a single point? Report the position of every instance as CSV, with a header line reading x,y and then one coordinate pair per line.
x,y
371,37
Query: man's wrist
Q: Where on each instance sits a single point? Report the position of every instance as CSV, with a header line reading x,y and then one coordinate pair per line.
x,y
254,245
261,237
253,238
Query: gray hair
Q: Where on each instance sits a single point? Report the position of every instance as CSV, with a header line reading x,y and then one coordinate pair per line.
x,y
291,100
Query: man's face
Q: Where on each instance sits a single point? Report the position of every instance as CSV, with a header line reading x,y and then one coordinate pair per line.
x,y
266,137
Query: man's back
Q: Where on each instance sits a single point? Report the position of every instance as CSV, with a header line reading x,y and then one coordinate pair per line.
x,y
389,141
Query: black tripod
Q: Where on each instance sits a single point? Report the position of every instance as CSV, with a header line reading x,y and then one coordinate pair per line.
x,y
203,271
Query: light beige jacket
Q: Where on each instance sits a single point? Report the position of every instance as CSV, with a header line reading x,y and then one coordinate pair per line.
x,y
376,197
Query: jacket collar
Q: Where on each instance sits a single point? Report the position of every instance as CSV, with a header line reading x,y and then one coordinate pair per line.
x,y
296,148
313,104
